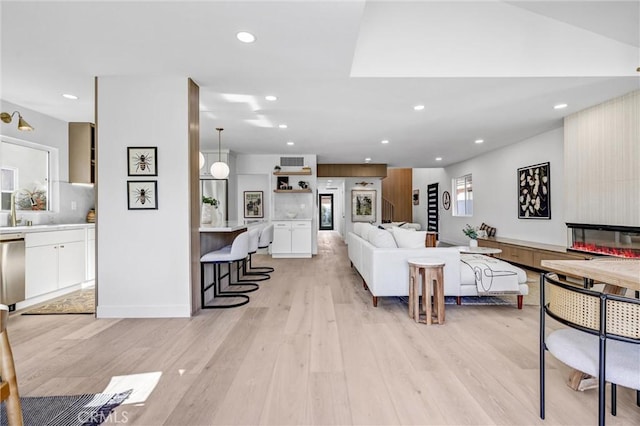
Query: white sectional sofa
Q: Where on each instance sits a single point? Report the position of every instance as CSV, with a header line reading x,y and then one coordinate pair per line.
x,y
384,269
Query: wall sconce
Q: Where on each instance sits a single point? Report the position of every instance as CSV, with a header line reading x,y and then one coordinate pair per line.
x,y
22,124
219,169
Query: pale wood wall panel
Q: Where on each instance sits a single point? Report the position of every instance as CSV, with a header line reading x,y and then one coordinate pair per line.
x,y
602,163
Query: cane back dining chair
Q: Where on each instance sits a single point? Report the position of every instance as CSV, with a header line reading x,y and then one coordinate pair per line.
x,y
9,394
602,337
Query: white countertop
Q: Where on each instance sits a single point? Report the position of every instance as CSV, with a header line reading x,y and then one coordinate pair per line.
x,y
45,228
229,226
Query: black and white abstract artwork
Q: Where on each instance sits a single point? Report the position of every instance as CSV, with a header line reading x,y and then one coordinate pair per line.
x,y
534,192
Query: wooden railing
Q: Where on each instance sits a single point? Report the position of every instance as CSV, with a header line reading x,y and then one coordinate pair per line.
x,y
387,211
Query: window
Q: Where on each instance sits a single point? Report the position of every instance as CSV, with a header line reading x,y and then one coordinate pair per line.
x,y
24,171
463,190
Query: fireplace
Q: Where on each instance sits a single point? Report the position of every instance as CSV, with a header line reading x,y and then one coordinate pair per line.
x,y
608,240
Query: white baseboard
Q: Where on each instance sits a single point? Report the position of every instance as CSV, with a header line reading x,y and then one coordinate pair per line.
x,y
168,311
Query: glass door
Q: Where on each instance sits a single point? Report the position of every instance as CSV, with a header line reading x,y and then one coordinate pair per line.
x,y
326,212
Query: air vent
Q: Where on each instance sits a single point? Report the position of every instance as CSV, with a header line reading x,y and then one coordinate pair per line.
x,y
292,161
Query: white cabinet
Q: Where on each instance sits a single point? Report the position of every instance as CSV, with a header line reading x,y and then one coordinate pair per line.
x,y
54,260
91,254
291,238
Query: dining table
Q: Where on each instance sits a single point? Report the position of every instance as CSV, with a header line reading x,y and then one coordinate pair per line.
x,y
617,274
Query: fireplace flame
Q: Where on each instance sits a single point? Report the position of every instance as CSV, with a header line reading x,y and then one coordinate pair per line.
x,y
610,251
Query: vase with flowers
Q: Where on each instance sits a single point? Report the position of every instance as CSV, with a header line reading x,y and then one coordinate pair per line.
x,y
209,209
472,233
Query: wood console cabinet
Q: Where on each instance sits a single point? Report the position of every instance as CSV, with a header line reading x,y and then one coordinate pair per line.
x,y
528,253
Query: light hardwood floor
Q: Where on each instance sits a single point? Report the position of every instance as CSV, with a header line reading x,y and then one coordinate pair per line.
x,y
310,349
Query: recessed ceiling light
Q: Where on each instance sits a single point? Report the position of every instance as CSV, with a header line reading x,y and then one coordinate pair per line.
x,y
418,107
69,96
479,140
560,106
271,98
367,159
384,141
282,126
290,143
246,37
438,158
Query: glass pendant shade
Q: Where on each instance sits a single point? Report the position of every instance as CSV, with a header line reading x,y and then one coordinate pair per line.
x,y
201,160
219,170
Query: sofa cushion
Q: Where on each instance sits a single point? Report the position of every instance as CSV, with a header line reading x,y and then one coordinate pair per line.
x,y
367,229
382,238
357,228
409,239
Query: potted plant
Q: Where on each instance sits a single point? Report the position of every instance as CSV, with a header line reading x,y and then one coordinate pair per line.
x,y
208,205
472,233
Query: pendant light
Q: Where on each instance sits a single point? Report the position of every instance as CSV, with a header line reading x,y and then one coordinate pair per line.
x,y
219,170
200,160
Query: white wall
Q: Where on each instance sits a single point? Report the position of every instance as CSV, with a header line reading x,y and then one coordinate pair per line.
x,y
349,185
421,178
143,255
253,182
495,191
339,213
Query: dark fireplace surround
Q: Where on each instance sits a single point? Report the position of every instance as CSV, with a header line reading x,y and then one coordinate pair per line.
x,y
607,240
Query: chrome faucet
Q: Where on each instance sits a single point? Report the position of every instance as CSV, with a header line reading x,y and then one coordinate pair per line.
x,y
14,219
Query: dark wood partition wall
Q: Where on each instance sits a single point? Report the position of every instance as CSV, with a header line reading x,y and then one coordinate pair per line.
x,y
194,192
397,187
351,170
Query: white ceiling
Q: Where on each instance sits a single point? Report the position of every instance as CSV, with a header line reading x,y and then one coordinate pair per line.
x,y
347,74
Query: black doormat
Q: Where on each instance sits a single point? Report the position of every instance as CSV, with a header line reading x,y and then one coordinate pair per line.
x,y
82,410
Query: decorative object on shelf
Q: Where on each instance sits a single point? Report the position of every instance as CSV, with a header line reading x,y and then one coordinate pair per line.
x,y
219,169
253,204
416,197
22,124
363,205
363,183
446,200
277,168
209,205
142,195
142,160
283,182
291,215
534,192
303,185
472,233
91,216
490,231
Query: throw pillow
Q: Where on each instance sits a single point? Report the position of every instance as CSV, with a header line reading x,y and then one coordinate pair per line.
x,y
382,238
409,239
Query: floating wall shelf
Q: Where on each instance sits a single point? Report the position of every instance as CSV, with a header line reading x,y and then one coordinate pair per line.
x,y
298,173
298,191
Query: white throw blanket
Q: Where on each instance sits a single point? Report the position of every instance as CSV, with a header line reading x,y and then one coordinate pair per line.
x,y
490,275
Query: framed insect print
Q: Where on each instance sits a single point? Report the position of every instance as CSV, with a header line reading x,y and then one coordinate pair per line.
x,y
142,195
142,160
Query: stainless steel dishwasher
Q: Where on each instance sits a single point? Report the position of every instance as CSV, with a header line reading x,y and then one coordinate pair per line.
x,y
11,269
